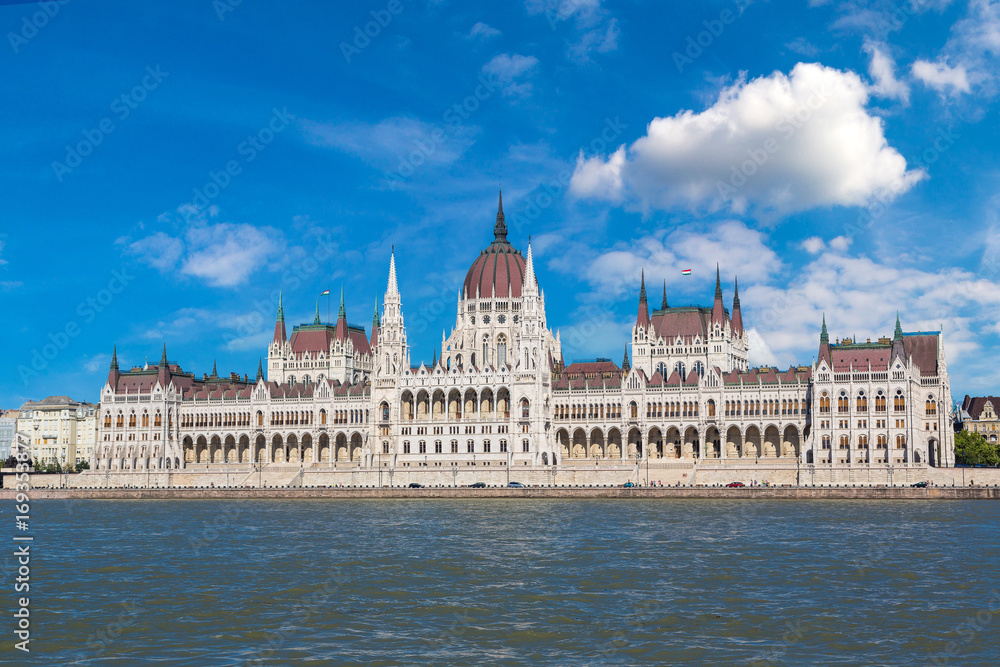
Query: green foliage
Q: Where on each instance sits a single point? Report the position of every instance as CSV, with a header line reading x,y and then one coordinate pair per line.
x,y
972,449
82,465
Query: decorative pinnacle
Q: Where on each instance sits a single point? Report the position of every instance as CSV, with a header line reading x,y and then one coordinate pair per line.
x,y
163,359
341,313
316,320
642,288
281,309
664,305
500,229
824,336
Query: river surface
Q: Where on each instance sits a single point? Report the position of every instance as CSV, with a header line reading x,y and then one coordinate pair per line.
x,y
508,581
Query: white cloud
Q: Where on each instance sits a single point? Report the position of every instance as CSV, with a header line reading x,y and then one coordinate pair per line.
x,y
602,40
882,69
96,363
803,47
813,245
221,254
778,143
2,260
941,76
510,70
841,243
598,178
483,32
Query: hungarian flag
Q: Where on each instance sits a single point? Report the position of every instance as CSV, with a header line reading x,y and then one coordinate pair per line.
x,y
686,272
324,292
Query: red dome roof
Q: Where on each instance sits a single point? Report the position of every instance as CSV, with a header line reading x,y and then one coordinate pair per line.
x,y
500,266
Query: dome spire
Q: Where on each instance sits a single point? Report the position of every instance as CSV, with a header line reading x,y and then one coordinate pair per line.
x,y
500,229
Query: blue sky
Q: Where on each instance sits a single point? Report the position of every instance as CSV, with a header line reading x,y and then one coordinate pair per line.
x,y
169,167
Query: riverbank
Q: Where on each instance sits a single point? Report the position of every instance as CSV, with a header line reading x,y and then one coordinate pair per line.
x,y
748,493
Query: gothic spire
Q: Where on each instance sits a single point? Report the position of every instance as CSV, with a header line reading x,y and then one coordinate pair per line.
x,y
718,310
341,313
642,317
281,309
392,289
375,321
664,305
163,359
824,336
626,366
898,335
260,369
316,319
215,371
279,323
737,313
500,229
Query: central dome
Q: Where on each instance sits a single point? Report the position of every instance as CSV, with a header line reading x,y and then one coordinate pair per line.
x,y
500,267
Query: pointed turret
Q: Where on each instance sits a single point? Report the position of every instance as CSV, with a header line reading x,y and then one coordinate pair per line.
x,y
434,359
392,289
737,313
718,310
898,350
642,317
626,366
375,326
316,319
664,305
530,286
341,333
824,343
113,373
260,369
163,370
215,370
500,229
279,324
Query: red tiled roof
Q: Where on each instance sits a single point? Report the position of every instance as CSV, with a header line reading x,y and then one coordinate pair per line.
x,y
974,405
684,322
924,350
500,266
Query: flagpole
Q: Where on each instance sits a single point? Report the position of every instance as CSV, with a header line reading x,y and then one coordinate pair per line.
x,y
328,306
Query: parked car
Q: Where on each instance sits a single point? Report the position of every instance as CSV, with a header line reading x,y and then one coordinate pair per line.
x,y
627,485
735,485
414,485
919,485
478,485
515,485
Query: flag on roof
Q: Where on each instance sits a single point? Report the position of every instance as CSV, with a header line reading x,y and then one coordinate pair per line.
x,y
324,292
686,272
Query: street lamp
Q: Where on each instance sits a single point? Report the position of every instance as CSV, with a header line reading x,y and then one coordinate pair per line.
x,y
227,470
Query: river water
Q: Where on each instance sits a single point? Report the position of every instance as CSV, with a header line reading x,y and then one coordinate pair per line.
x,y
508,581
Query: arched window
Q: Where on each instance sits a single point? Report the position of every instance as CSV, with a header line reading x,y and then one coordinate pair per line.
x,y
680,368
385,411
322,417
107,420
486,351
633,410
931,407
879,402
502,350
711,407
899,401
699,368
525,409
862,402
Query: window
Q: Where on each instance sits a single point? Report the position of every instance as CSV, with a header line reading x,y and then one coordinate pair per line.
x,y
899,402
711,408
502,349
470,447
438,447
525,409
454,446
406,446
826,442
486,446
931,407
524,445
503,446
862,402
824,403
680,368
880,403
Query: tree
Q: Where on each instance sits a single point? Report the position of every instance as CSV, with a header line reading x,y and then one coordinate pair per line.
x,y
82,465
971,449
